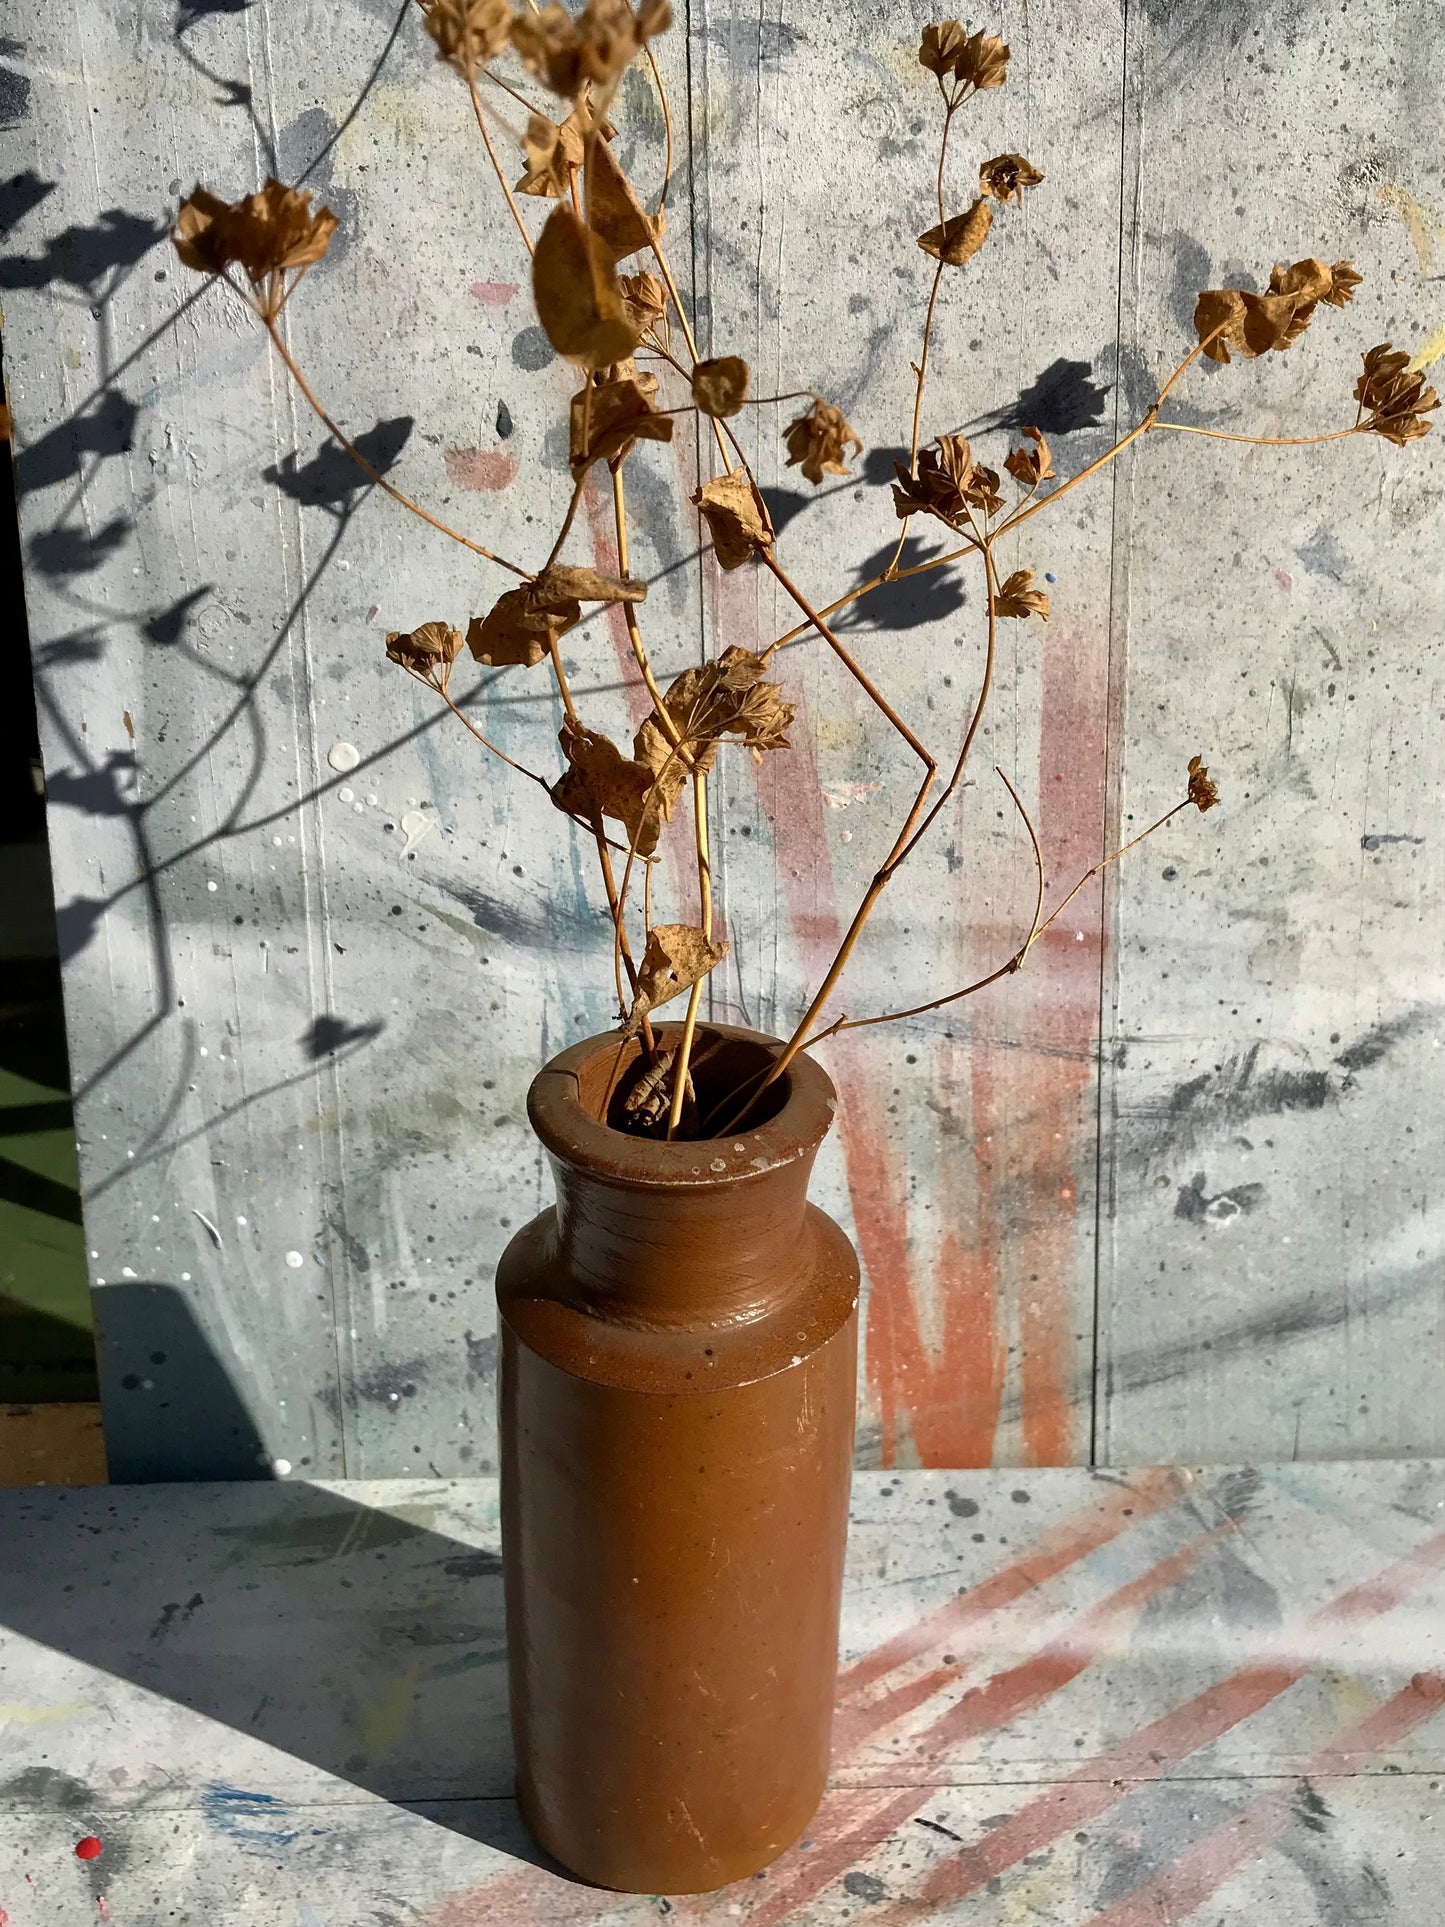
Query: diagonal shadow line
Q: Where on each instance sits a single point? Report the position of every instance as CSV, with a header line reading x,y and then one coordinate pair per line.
x,y
364,95
48,1196
227,1111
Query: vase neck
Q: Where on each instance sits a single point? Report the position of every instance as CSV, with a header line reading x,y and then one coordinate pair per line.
x,y
682,1255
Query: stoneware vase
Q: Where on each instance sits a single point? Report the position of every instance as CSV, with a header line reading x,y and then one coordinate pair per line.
x,y
677,1376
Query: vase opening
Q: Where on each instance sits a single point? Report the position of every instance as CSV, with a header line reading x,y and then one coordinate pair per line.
x,y
725,1070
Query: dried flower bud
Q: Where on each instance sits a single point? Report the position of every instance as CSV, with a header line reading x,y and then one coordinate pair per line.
x,y
614,212
1203,793
1250,324
1393,397
435,646
961,235
948,484
594,47
676,957
818,441
644,297
270,234
468,33
727,697
982,62
720,387
1343,282
734,518
1017,597
1030,466
1006,176
551,152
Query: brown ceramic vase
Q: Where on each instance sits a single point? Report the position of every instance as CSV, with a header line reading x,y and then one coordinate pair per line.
x,y
677,1379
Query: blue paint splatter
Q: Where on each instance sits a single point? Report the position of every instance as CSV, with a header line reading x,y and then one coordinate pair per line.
x,y
255,1822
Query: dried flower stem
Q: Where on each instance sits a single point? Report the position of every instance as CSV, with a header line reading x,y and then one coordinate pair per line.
x,y
365,466
504,183
666,128
694,999
1265,441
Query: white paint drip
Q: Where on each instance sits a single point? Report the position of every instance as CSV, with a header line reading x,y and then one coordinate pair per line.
x,y
346,794
415,825
280,1467
209,1226
343,756
295,1260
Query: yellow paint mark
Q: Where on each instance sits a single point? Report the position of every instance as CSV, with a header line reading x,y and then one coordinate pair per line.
x,y
1429,352
384,1721
129,725
1417,222
40,1715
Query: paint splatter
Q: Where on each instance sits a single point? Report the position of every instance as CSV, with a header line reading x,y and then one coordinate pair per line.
x,y
480,468
343,756
255,1822
492,294
415,825
1417,222
89,1848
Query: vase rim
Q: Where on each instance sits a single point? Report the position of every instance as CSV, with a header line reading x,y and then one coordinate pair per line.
x,y
571,1133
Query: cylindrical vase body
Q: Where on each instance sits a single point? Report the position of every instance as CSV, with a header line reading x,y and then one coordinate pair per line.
x,y
677,1386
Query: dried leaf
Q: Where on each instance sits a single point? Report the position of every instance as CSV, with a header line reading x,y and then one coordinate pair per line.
x,y
569,53
1311,280
1393,397
720,387
619,414
522,624
600,781
1030,466
614,212
734,518
551,152
202,237
1018,598
1250,324
817,442
1203,793
468,33
644,297
961,236
586,585
435,645
941,47
579,303
677,956
1006,176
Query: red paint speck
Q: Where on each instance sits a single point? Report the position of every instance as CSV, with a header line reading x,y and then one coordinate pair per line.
x,y
1283,579
104,1910
492,294
480,468
89,1848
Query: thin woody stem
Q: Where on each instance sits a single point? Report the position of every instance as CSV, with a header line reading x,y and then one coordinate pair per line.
x,y
1104,863
634,627
365,466
486,743
497,81
1264,441
502,180
1015,962
689,1026
815,617
569,518
666,126
951,106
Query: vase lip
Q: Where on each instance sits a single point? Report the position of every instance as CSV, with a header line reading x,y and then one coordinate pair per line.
x,y
572,1134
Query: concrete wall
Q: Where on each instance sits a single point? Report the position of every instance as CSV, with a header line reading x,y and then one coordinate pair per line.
x,y
1171,1193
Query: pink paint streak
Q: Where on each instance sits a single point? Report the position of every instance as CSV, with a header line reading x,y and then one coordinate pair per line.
x,y
481,468
1197,1875
492,294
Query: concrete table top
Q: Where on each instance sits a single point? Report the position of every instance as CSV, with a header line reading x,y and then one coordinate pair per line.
x,y
1073,1696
